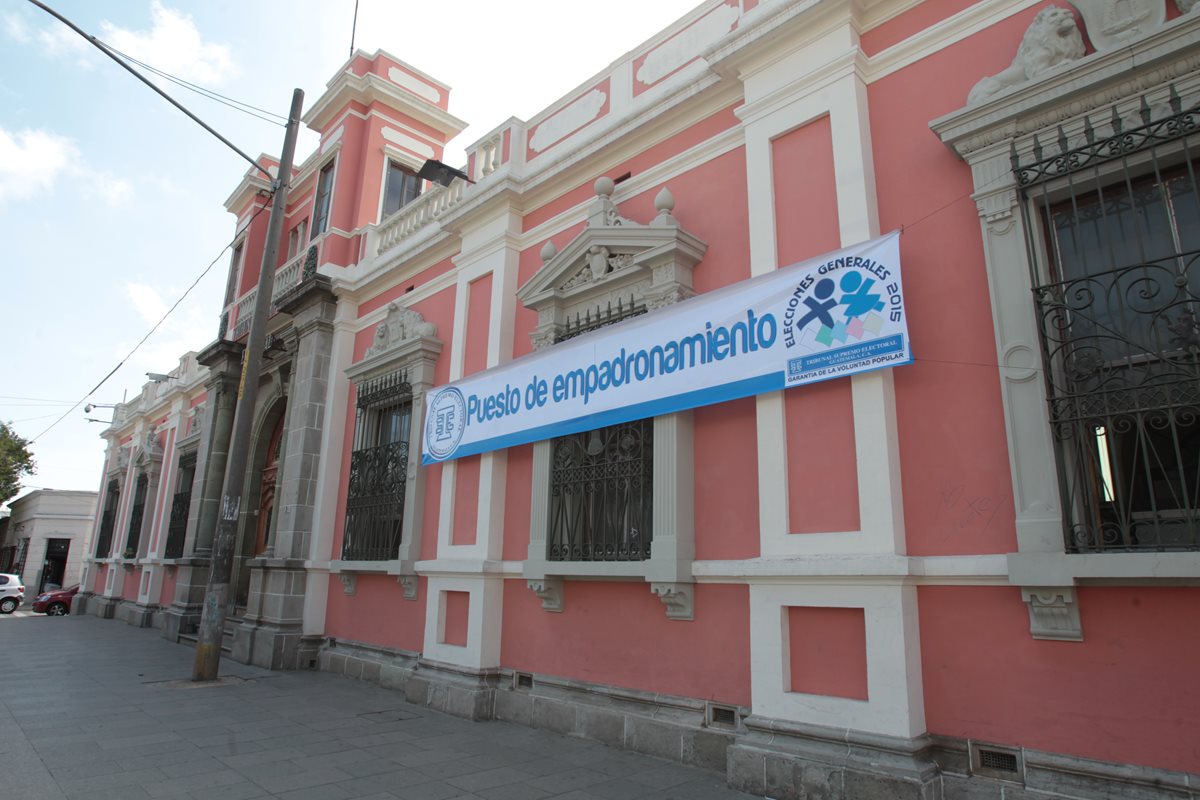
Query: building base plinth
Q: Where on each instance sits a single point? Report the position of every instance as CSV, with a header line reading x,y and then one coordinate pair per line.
x,y
103,607
138,615
792,761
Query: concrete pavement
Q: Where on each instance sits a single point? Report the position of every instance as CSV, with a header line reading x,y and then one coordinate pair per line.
x,y
88,710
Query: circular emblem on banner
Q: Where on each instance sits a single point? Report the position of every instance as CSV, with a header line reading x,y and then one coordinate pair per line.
x,y
446,423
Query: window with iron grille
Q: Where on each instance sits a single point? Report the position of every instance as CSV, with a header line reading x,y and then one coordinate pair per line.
x,y
601,481
134,534
1114,228
108,518
378,469
181,504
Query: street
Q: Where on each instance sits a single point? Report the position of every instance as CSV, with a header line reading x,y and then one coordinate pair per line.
x,y
92,709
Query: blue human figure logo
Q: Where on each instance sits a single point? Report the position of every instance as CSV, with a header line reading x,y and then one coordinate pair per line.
x,y
858,298
820,305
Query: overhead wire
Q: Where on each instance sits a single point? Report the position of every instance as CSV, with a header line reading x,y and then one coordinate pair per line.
x,y
158,324
237,105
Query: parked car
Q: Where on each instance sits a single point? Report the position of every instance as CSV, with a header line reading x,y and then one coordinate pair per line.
x,y
12,593
56,603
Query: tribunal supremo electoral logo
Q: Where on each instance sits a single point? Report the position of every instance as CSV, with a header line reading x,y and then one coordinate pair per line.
x,y
817,320
846,315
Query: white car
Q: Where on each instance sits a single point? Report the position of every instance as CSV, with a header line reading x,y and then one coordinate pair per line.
x,y
12,593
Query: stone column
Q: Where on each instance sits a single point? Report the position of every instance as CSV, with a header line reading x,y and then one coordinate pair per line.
x,y
224,360
273,628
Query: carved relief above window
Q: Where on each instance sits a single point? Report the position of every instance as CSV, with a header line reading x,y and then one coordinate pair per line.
x,y
616,501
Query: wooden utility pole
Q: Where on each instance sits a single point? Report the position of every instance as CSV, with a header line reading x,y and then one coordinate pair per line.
x,y
216,597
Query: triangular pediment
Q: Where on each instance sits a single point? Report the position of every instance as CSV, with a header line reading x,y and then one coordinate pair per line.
x,y
614,255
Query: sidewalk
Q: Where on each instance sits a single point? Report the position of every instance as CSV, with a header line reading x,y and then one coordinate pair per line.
x,y
85,713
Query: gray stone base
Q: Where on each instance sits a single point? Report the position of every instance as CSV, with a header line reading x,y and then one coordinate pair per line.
x,y
103,607
789,761
268,646
180,620
765,757
182,616
1053,775
138,615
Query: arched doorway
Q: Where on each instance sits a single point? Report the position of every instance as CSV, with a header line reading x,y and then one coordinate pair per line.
x,y
266,501
259,495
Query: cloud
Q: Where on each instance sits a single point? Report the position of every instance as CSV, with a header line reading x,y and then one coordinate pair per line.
x,y
190,327
59,40
148,303
32,160
173,45
16,29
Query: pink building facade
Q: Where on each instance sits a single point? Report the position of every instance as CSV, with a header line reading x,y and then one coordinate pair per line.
x,y
974,575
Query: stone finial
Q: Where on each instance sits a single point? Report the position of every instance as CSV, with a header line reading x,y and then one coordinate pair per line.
x,y
549,251
1052,39
664,201
400,325
604,186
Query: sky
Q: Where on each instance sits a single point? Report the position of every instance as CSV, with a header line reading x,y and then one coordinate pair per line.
x,y
111,201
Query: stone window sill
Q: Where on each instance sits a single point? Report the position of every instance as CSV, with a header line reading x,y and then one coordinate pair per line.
x,y
1069,569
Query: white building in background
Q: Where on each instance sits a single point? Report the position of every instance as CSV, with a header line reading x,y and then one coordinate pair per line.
x,y
48,532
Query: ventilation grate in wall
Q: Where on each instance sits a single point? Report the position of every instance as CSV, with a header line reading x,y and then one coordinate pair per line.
x,y
522,680
722,716
996,761
1003,762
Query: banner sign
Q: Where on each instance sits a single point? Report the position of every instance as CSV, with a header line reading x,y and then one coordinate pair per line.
x,y
823,318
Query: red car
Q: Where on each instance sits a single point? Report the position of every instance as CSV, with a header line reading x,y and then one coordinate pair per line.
x,y
56,603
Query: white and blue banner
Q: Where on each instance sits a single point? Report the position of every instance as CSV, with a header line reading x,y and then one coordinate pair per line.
x,y
823,318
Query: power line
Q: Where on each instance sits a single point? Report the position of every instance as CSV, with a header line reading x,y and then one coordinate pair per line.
x,y
150,333
103,48
236,105
39,400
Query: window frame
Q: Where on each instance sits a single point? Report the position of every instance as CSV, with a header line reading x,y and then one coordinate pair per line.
x,y
392,166
988,136
322,208
376,397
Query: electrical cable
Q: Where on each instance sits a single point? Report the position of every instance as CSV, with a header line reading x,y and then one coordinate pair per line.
x,y
161,320
103,48
236,105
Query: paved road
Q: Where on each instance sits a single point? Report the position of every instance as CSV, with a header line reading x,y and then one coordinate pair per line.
x,y
87,711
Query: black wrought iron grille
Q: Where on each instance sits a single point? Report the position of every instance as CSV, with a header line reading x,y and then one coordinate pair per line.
x,y
177,529
599,318
1117,292
180,506
601,494
134,536
108,520
601,481
378,470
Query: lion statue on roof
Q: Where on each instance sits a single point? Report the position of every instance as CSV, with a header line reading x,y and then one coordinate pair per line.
x,y
1051,40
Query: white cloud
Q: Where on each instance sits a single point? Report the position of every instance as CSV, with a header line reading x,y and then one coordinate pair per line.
x,y
148,303
173,45
16,29
32,160
190,327
59,40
